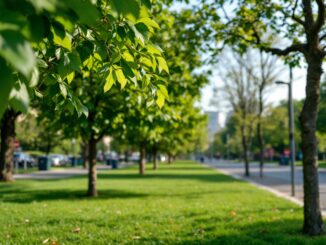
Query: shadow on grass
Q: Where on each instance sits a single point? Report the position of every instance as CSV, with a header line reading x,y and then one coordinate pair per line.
x,y
28,196
224,232
213,177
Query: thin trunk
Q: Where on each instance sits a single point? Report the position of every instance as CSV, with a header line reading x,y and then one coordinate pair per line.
x,y
260,135
92,175
169,158
7,145
313,224
155,164
85,155
142,159
245,150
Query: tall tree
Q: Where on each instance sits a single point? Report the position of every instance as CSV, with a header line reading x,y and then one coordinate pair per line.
x,y
239,86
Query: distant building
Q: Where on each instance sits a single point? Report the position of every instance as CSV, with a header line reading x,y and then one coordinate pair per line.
x,y
213,123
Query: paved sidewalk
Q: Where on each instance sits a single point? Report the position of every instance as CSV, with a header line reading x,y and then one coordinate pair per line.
x,y
275,177
63,172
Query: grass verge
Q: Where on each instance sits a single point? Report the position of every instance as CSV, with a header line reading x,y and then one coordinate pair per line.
x,y
182,203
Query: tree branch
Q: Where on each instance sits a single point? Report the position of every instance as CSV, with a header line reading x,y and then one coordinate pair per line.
x,y
283,52
296,18
321,16
307,11
322,37
276,51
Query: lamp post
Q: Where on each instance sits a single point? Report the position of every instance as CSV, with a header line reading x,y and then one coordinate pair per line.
x,y
291,130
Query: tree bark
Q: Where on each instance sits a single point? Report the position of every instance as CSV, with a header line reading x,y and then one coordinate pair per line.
x,y
245,151
92,175
313,224
142,158
7,145
169,158
155,164
260,134
85,155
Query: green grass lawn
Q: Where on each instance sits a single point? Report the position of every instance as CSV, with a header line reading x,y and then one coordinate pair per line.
x,y
184,203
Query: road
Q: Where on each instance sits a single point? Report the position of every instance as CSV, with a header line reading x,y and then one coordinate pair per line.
x,y
276,177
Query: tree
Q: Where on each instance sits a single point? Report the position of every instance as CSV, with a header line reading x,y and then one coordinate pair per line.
x,y
239,86
117,52
267,74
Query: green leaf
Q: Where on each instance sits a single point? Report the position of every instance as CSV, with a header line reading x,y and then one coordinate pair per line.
x,y
120,77
147,3
160,99
138,35
70,77
49,5
126,7
19,98
6,83
17,52
154,49
34,78
37,26
127,56
149,23
64,42
162,65
63,90
86,11
164,91
109,81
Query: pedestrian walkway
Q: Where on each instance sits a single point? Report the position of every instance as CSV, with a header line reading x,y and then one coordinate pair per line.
x,y
62,173
275,177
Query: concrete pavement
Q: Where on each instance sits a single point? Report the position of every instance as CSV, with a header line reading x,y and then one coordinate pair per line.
x,y
275,177
62,173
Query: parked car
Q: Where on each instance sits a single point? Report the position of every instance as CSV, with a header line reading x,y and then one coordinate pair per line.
x,y
58,160
135,156
21,158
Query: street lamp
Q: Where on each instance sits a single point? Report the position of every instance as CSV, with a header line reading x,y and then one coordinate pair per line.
x,y
291,130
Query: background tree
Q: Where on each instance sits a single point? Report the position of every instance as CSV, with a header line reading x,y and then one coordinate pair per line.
x,y
239,86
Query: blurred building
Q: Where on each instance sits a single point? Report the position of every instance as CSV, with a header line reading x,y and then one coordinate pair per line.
x,y
213,123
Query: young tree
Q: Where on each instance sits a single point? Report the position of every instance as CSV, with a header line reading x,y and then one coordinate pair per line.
x,y
239,86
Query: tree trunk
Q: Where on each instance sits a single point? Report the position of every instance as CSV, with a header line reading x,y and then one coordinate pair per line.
x,y
260,135
169,158
85,155
245,150
142,159
313,224
92,175
155,164
7,145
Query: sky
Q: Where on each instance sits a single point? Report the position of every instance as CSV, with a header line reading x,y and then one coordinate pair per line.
x,y
277,94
